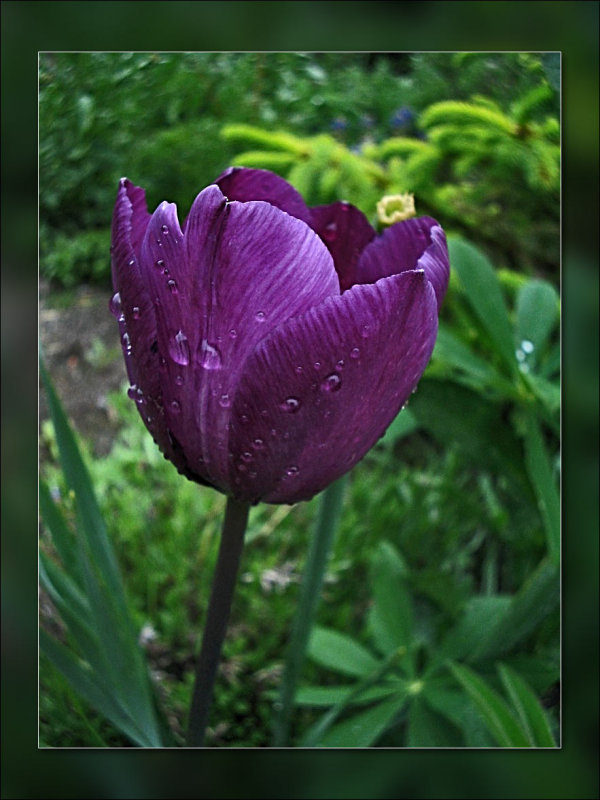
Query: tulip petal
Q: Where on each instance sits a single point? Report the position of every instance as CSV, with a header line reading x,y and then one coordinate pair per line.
x,y
137,320
240,269
322,389
418,243
243,184
346,232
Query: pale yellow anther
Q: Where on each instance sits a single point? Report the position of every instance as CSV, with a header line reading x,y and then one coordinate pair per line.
x,y
396,208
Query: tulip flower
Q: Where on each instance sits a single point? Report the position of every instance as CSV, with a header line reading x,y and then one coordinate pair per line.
x,y
269,345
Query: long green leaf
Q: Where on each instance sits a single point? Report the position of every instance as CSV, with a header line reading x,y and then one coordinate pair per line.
x,y
536,599
85,685
428,728
391,617
482,289
341,653
363,729
528,708
62,536
497,715
536,315
540,473
324,696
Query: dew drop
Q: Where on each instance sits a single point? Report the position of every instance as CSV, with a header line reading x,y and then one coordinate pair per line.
x,y
317,365
233,334
135,312
355,353
291,471
365,332
126,343
247,457
172,286
339,366
527,347
135,393
260,316
159,263
132,262
258,444
175,407
179,380
224,401
115,305
298,370
244,419
210,358
179,349
290,405
165,229
332,383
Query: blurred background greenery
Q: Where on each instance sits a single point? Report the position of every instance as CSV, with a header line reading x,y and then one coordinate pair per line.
x,y
540,778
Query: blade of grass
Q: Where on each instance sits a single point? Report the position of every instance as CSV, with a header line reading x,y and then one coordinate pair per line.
x,y
528,708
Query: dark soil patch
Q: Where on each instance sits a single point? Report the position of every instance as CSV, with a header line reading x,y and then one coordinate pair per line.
x,y
81,349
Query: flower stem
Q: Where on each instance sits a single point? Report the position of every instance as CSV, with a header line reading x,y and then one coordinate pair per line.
x,y
310,592
230,550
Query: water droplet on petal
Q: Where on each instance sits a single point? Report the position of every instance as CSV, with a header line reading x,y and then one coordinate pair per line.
x,y
115,305
159,263
290,404
135,312
330,232
135,393
339,366
126,343
132,262
210,358
260,316
298,370
317,365
179,348
332,383
365,332
258,444
232,334
165,229
291,471
244,419
172,286
175,407
355,353
224,401
247,457
179,380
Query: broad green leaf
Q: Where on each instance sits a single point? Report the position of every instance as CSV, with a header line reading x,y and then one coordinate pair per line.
x,y
363,729
428,728
459,710
540,472
453,352
501,723
391,617
529,711
332,695
341,653
535,600
479,616
536,316
82,680
482,289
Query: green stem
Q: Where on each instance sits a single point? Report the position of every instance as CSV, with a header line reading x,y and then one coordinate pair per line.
x,y
230,550
320,547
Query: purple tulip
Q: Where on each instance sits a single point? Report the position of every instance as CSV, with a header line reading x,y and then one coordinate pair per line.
x,y
269,344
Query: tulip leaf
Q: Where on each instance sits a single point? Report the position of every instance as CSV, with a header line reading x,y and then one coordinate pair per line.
x,y
62,537
340,652
84,683
332,695
391,617
497,715
529,710
483,291
536,315
540,472
365,728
